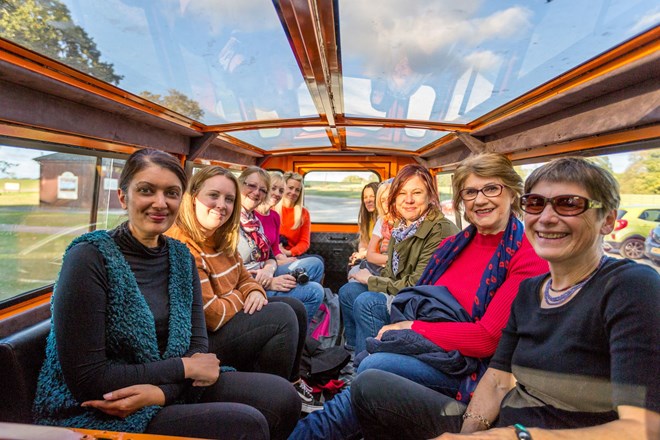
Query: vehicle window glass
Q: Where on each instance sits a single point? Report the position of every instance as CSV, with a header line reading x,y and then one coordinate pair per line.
x,y
334,196
445,191
45,201
652,215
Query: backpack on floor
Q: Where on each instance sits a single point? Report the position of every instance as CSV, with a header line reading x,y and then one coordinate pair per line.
x,y
325,326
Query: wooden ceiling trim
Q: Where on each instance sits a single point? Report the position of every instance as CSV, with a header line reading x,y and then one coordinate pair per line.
x,y
32,61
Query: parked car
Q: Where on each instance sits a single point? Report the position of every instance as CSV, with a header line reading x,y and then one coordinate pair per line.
x,y
652,245
632,226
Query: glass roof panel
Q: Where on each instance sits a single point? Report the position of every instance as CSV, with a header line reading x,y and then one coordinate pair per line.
x,y
410,139
454,61
283,138
217,61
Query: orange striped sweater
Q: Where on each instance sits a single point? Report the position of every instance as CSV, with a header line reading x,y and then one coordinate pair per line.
x,y
225,281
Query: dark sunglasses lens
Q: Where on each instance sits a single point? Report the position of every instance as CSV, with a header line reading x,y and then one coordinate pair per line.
x,y
533,204
570,205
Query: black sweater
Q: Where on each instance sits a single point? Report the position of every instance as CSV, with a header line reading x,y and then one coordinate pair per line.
x,y
79,314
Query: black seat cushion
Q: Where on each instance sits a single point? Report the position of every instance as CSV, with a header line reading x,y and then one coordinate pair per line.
x,y
21,357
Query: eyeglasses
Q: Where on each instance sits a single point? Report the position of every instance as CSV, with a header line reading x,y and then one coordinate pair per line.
x,y
492,190
566,205
252,188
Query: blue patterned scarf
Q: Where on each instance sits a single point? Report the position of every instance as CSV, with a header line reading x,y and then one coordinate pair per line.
x,y
400,233
492,278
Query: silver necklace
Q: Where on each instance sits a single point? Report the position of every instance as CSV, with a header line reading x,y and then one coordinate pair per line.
x,y
569,291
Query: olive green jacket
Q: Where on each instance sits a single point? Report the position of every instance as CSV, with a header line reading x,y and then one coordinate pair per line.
x,y
414,254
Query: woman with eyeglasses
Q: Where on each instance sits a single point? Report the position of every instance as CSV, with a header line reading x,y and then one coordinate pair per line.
x,y
255,249
578,357
477,272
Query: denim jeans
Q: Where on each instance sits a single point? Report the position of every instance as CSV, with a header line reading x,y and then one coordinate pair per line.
x,y
412,369
338,419
313,266
310,294
347,295
370,315
388,406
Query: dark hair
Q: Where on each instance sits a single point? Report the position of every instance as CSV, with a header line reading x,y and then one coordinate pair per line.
x,y
406,173
142,159
599,183
366,218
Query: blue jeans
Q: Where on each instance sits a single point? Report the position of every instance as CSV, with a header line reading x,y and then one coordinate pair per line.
x,y
338,418
310,294
370,314
313,267
347,295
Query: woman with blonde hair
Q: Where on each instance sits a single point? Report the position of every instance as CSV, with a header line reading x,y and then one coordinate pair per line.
x,y
238,315
270,219
296,226
382,232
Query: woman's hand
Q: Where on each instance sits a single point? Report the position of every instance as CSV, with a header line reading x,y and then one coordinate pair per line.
x,y
125,401
359,255
283,283
285,251
254,302
283,259
264,275
402,325
491,434
203,368
361,276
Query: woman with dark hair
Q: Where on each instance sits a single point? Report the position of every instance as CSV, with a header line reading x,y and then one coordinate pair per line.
x,y
366,221
128,347
419,228
473,275
581,340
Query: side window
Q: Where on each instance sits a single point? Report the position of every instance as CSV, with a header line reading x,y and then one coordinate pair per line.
x,y
446,193
652,215
46,200
334,196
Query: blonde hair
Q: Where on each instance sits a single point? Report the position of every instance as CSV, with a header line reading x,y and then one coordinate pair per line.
x,y
384,186
488,165
275,176
298,207
225,238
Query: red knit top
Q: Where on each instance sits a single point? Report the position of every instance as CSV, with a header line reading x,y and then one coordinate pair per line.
x,y
462,279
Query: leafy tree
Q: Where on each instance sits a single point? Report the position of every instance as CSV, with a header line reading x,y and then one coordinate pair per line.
x,y
176,101
603,162
642,175
5,167
353,179
46,27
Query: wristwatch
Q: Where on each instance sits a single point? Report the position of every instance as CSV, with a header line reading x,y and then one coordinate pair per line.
x,y
522,432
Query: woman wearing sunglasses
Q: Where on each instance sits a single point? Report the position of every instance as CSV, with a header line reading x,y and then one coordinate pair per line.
x,y
582,341
478,270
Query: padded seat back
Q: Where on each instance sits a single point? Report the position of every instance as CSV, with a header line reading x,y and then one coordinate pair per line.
x,y
21,357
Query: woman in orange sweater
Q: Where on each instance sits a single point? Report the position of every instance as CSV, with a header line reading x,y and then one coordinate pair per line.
x,y
296,225
247,330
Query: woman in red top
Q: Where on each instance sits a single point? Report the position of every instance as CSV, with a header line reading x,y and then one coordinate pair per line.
x,y
295,226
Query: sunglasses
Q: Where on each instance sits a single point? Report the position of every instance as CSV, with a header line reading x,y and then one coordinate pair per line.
x,y
566,205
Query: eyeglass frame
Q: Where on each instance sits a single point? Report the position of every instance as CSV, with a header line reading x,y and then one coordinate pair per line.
x,y
589,204
252,188
481,190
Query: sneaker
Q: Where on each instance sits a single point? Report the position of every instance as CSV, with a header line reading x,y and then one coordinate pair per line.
x,y
309,403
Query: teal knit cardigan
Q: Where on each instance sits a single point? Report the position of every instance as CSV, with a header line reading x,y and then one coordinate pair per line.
x,y
130,337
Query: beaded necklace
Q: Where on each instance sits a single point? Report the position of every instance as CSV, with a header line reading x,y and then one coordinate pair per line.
x,y
569,291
